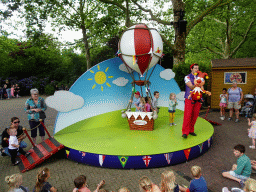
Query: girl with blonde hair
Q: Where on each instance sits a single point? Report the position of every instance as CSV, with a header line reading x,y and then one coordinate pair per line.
x,y
249,186
146,185
124,189
168,183
41,183
14,181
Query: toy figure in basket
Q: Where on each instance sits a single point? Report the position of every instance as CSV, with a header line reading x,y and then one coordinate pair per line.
x,y
197,93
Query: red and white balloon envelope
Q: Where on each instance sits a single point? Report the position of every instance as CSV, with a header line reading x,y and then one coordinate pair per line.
x,y
140,48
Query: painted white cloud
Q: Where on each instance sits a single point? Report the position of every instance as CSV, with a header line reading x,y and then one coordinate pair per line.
x,y
121,81
180,96
64,101
167,74
122,67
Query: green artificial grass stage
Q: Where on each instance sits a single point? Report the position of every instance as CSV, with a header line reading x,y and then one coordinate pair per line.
x,y
109,134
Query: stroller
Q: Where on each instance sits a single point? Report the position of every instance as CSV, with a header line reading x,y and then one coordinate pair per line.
x,y
249,106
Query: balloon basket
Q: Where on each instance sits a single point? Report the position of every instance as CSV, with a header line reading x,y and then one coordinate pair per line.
x,y
141,82
141,121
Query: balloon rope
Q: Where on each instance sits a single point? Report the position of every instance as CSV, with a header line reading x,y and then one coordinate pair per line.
x,y
141,91
152,72
150,97
140,55
129,71
130,103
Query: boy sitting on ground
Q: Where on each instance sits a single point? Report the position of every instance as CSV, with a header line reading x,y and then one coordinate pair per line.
x,y
242,170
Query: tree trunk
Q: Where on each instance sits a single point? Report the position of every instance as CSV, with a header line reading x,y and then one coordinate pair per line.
x,y
86,47
179,50
180,38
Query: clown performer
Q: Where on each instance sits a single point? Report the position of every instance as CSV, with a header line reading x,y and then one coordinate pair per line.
x,y
192,108
136,100
197,93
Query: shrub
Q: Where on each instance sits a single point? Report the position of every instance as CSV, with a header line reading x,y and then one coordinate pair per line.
x,y
49,89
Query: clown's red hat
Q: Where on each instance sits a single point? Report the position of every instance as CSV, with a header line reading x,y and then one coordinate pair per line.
x,y
191,66
137,93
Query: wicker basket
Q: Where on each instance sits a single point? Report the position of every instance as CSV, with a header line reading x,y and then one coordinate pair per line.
x,y
140,121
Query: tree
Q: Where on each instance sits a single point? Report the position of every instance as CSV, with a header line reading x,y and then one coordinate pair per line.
x,y
88,16
164,18
224,33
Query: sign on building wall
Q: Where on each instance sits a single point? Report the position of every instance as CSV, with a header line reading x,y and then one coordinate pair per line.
x,y
239,77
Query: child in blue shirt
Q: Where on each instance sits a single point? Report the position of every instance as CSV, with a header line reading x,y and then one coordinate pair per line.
x,y
198,184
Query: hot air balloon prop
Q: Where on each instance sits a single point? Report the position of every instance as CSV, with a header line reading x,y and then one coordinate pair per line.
x,y
140,48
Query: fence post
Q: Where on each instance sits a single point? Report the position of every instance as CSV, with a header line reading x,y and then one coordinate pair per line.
x,y
25,131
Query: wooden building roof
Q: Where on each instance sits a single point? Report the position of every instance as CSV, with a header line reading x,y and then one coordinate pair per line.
x,y
238,62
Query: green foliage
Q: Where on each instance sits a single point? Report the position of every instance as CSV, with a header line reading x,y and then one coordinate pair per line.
x,y
49,89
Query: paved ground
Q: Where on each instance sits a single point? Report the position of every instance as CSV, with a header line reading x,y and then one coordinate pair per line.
x,y
63,171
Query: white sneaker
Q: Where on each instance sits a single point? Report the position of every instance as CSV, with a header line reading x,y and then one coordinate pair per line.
x,y
174,124
236,190
223,118
170,124
225,189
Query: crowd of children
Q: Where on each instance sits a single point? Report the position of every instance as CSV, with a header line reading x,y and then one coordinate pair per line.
x,y
168,183
12,92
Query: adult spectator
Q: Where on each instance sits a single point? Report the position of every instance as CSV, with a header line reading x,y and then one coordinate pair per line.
x,y
145,184
66,88
242,170
1,93
192,109
8,89
235,96
56,88
155,101
62,87
17,91
5,92
15,122
136,100
34,106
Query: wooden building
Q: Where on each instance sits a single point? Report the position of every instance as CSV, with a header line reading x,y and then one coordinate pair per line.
x,y
224,71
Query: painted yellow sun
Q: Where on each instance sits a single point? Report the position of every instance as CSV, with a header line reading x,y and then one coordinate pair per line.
x,y
100,78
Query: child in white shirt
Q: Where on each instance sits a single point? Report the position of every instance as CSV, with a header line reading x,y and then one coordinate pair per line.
x,y
14,146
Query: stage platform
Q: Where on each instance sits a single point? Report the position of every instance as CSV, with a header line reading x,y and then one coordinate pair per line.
x,y
107,141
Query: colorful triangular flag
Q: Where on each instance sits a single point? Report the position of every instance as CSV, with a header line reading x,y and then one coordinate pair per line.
x,y
201,147
146,160
209,142
158,50
187,152
123,160
133,89
67,152
83,154
133,59
101,159
168,157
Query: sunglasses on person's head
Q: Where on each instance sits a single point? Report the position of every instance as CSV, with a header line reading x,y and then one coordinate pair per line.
x,y
16,122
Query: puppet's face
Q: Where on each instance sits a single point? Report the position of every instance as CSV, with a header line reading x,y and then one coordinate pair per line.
x,y
199,82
